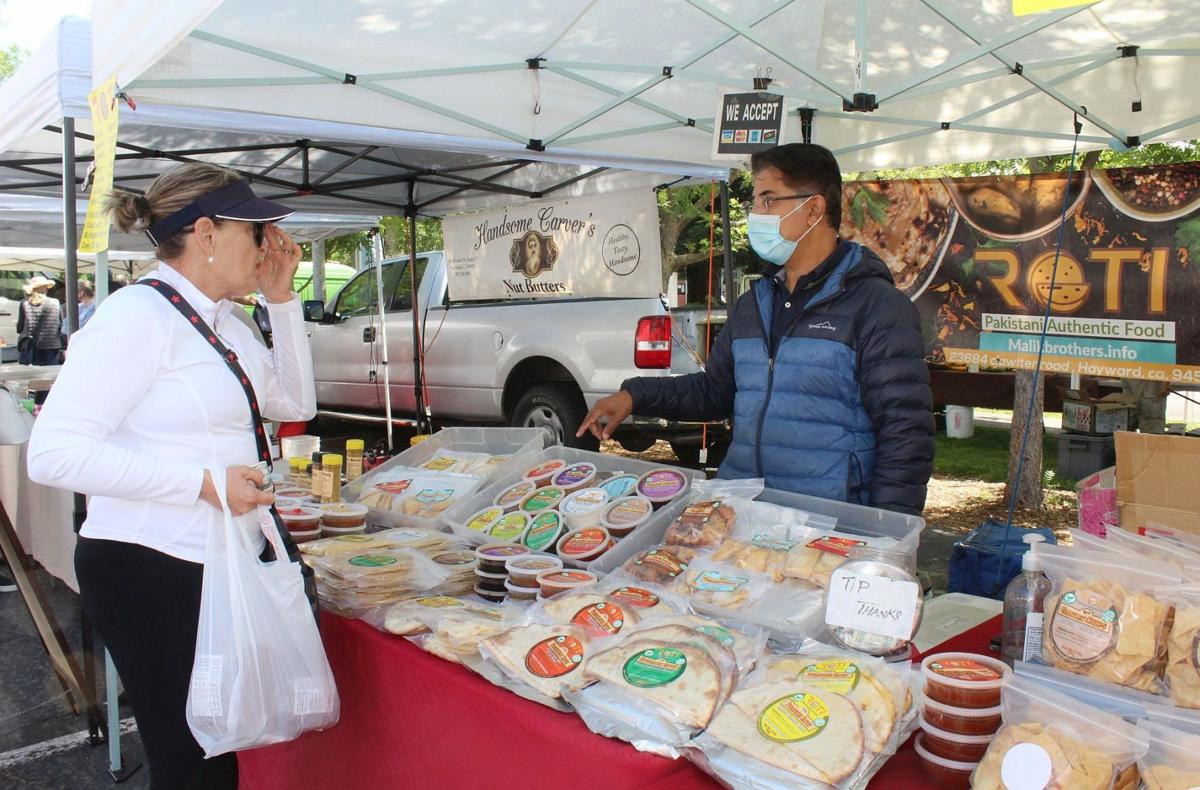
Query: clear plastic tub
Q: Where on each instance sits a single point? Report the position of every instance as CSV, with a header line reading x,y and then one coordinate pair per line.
x,y
493,556
343,515
334,532
524,570
492,582
543,472
584,545
964,680
511,498
962,721
621,486
544,531
300,518
483,520
584,508
518,593
625,515
952,746
576,476
489,595
554,582
662,486
942,773
509,528
522,445
305,537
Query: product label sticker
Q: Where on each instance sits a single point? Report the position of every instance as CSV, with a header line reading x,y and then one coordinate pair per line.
x,y
434,496
584,541
545,498
698,514
625,513
515,494
394,487
872,604
620,486
576,475
545,470
509,528
585,501
455,558
502,551
439,463
354,468
1026,766
796,717
715,581
764,541
638,597
542,531
662,485
965,669
654,667
372,560
439,602
485,519
1034,623
554,657
840,677
835,545
664,561
1083,627
322,483
718,633
572,577
601,619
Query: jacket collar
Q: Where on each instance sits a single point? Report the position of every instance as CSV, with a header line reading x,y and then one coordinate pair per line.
x,y
212,312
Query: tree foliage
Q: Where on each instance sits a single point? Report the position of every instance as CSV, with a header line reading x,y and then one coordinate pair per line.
x,y
10,59
395,240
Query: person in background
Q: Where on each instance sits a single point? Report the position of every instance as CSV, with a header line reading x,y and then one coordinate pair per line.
x,y
147,413
821,364
87,301
39,324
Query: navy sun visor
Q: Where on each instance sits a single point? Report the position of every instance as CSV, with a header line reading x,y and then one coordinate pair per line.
x,y
234,201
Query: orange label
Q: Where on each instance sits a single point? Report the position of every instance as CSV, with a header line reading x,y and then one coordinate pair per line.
x,y
394,487
834,545
1084,625
637,597
601,619
965,669
664,561
586,541
554,657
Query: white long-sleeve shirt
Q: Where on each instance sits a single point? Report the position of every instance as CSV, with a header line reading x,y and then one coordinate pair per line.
x,y
144,405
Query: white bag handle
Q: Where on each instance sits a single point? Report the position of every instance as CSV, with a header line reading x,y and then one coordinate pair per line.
x,y
266,524
15,421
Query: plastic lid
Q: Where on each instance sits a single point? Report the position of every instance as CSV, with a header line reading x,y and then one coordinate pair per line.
x,y
953,737
941,762
965,671
533,564
296,462
966,713
513,588
331,459
1029,561
355,444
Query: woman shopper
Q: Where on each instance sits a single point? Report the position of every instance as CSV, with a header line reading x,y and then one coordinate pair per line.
x,y
161,393
39,324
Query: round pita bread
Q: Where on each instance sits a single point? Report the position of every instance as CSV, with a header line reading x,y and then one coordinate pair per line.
x,y
869,694
722,656
546,657
613,616
681,678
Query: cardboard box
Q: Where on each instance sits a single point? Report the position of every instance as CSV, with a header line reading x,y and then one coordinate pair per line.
x,y
1105,415
1158,481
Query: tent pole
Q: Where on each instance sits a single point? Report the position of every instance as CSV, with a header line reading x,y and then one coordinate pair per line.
x,y
318,269
418,390
726,243
101,284
377,254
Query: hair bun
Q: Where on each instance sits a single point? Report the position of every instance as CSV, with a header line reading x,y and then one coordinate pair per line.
x,y
143,206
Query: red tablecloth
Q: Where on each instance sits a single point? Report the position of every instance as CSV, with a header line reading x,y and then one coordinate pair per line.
x,y
410,719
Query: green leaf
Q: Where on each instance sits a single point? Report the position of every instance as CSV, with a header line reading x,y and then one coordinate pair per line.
x,y
968,267
858,209
877,211
1188,235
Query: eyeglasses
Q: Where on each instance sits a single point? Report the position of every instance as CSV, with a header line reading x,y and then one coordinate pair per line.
x,y
764,202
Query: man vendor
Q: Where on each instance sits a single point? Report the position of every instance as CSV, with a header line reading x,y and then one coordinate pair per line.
x,y
821,364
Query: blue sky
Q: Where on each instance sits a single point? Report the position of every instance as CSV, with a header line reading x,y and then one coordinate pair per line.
x,y
27,22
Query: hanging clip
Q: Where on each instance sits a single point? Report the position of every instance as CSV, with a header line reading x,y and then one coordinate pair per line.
x,y
761,80
125,97
1079,123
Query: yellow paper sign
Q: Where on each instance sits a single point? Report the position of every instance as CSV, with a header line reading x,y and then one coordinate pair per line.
x,y
104,127
1023,7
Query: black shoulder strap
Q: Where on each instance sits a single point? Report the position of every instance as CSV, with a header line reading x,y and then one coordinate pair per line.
x,y
231,359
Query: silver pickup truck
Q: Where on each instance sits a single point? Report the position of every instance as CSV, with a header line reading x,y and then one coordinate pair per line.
x,y
522,363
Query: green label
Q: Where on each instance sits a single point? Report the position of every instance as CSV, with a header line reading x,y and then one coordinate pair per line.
x,y
508,528
542,531
372,560
722,635
654,667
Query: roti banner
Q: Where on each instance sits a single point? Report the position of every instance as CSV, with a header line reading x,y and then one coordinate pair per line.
x,y
105,114
1023,7
977,255
587,247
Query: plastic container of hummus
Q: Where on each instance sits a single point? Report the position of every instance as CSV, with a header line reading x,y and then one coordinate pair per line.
x,y
509,528
625,515
942,773
543,473
483,520
521,593
492,582
510,498
963,748
492,556
964,680
489,595
662,485
544,531
584,508
343,515
336,532
524,570
304,537
575,477
545,498
291,492
552,583
301,518
620,486
962,721
584,545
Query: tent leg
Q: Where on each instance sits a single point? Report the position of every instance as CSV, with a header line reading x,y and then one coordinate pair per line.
x,y
730,283
377,253
418,388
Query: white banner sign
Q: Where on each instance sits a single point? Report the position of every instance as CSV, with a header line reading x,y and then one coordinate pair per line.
x,y
598,246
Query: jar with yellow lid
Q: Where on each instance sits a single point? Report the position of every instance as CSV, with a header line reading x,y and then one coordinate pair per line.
x,y
354,458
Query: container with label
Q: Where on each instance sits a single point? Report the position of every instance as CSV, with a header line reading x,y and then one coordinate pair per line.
x,y
493,556
524,570
545,498
482,521
584,508
964,680
490,595
543,473
662,485
962,721
554,582
509,528
492,582
300,518
952,746
584,545
354,458
1021,631
544,531
510,498
942,773
336,532
620,486
305,537
343,515
518,593
575,477
331,477
625,515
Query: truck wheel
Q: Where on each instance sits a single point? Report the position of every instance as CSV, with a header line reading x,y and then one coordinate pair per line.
x,y
559,407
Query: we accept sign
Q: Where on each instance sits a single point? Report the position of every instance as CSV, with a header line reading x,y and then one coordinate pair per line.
x,y
587,247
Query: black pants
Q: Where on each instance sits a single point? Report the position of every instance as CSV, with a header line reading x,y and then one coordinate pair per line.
x,y
146,606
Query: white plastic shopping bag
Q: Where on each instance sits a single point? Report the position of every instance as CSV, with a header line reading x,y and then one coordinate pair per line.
x,y
260,674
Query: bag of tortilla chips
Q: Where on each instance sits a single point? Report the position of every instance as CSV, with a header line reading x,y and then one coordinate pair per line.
x,y
1051,740
1103,619
1183,645
1172,761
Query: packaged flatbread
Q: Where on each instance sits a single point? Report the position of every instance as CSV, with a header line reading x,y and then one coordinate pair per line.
x,y
665,565
679,677
543,657
1183,645
1051,740
716,584
812,735
766,557
600,615
702,524
402,618
746,642
1172,760
419,539
721,655
1102,617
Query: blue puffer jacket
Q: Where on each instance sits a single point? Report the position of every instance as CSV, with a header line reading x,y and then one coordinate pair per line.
x,y
842,410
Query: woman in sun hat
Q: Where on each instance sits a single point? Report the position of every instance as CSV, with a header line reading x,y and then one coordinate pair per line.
x,y
39,324
163,390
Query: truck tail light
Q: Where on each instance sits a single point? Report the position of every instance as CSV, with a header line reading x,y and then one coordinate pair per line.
x,y
652,348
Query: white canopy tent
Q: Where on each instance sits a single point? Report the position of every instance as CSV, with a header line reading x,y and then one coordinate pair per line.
x,y
939,80
53,259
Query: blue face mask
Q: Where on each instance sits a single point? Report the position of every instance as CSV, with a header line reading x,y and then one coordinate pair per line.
x,y
766,240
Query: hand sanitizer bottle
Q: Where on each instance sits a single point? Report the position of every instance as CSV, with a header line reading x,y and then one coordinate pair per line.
x,y
1021,634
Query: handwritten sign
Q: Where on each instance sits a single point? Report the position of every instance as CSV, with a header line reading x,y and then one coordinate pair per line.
x,y
874,604
94,237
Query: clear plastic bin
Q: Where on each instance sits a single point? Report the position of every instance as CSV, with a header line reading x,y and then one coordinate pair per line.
x,y
648,534
523,444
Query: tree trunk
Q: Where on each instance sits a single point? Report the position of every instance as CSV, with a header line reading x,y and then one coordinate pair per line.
x,y
1029,488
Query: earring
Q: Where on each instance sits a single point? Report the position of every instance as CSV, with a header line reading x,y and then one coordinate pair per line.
x,y
210,260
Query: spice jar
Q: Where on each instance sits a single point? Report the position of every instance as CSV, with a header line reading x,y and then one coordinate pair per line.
x,y
354,458
331,477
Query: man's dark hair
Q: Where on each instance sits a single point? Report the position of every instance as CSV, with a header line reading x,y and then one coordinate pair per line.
x,y
806,168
